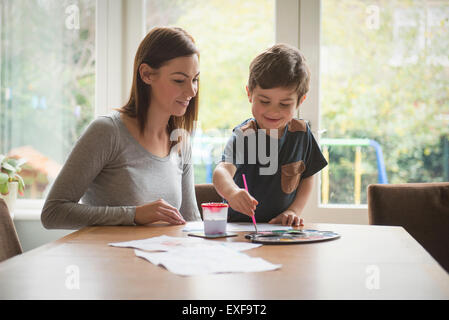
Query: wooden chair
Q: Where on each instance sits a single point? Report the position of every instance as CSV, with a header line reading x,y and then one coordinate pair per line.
x,y
420,208
9,242
206,193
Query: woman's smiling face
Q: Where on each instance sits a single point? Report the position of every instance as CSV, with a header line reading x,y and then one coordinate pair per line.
x,y
173,85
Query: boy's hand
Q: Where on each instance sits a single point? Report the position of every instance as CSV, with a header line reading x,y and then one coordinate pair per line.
x,y
241,201
287,218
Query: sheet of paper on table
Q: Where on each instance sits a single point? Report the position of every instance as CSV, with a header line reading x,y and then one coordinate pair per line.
x,y
166,243
195,256
236,226
195,261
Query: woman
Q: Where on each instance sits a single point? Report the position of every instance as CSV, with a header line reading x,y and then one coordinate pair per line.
x,y
134,166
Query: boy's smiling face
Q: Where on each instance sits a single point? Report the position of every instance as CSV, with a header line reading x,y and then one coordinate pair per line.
x,y
273,108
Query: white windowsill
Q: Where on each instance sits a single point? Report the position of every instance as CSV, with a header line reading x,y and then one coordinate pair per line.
x,y
34,214
344,206
28,209
27,214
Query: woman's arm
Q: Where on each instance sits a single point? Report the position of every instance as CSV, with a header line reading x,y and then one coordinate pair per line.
x,y
90,154
189,208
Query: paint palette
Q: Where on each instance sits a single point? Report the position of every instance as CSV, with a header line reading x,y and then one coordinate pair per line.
x,y
291,236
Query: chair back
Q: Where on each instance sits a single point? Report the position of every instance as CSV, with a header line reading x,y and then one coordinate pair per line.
x,y
206,193
9,241
422,209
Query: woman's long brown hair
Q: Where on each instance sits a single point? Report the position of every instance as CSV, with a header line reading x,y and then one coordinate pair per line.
x,y
159,46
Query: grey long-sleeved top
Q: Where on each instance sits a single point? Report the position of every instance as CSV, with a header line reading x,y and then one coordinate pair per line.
x,y
112,174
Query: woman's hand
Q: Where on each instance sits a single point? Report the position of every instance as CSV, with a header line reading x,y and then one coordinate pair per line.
x,y
241,201
158,210
287,218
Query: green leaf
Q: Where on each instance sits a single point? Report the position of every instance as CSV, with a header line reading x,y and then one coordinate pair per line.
x,y
12,162
8,167
3,178
4,188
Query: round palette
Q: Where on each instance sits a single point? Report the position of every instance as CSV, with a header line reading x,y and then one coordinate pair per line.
x,y
291,236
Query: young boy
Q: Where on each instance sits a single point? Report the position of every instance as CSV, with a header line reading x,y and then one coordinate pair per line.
x,y
276,152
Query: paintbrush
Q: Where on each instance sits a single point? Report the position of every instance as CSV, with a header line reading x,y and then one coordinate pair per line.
x,y
246,188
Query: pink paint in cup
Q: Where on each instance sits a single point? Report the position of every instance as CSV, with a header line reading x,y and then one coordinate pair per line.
x,y
215,217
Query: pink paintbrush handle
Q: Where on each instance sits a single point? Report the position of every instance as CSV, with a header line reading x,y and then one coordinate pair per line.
x,y
246,188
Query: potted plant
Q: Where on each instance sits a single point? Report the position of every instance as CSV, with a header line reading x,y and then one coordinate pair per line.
x,y
10,181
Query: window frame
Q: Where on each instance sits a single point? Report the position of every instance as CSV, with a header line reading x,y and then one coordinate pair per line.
x,y
298,22
115,46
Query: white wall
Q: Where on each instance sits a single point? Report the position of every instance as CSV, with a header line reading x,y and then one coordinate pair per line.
x,y
32,234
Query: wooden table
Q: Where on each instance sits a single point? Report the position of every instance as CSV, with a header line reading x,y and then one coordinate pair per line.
x,y
367,262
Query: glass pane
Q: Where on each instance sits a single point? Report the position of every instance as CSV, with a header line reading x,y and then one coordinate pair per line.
x,y
384,95
229,34
47,53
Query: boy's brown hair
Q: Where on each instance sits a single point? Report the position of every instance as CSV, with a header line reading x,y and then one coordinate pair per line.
x,y
280,66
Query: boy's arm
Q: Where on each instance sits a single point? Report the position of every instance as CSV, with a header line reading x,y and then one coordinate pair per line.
x,y
302,195
223,179
239,199
291,216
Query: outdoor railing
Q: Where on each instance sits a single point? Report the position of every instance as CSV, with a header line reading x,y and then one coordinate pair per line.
x,y
358,143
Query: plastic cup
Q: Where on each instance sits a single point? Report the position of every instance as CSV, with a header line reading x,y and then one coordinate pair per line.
x,y
215,217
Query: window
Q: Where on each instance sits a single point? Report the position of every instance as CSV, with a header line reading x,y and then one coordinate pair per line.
x,y
47,81
383,95
229,34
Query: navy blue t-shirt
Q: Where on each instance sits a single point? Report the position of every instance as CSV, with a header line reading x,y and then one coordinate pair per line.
x,y
273,167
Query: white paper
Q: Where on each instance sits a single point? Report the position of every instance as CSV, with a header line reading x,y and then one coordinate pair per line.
x,y
161,243
194,261
236,226
194,256
166,243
